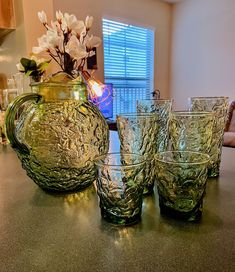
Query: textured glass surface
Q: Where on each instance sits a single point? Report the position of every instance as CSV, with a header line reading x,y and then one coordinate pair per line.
x,y
181,183
162,109
138,133
219,105
191,131
61,135
120,187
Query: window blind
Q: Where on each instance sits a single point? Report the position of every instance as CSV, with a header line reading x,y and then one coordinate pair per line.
x,y
128,63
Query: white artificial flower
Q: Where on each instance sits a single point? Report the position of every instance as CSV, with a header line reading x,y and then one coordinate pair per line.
x,y
92,41
55,41
50,42
59,16
59,26
37,50
42,17
79,29
55,26
42,45
70,21
20,67
67,35
75,49
88,22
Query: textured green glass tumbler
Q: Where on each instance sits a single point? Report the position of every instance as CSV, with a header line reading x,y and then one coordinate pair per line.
x,y
181,183
218,105
191,131
138,133
161,108
120,187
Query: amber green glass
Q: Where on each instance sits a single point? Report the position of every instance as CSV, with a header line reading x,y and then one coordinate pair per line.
x,y
181,183
120,187
138,133
162,109
218,105
58,135
191,131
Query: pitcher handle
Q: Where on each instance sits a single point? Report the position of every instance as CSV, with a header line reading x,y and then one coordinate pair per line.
x,y
11,112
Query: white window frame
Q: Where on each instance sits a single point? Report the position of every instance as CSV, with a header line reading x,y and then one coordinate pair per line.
x,y
121,101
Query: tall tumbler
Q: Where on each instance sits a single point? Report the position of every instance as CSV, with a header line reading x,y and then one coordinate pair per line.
x,y
120,187
218,105
138,133
191,131
162,109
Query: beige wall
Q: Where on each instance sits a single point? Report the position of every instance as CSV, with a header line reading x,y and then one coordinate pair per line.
x,y
203,49
152,13
33,27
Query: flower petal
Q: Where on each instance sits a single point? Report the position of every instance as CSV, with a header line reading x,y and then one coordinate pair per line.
x,y
59,16
37,49
88,22
42,17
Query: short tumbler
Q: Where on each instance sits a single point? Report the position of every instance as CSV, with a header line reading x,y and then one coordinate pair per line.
x,y
191,131
138,134
120,187
219,105
181,183
161,108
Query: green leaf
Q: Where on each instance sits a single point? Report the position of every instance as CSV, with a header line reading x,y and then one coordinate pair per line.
x,y
25,62
43,65
33,65
28,73
28,64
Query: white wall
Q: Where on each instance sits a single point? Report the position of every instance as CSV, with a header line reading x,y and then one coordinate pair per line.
x,y
203,49
152,13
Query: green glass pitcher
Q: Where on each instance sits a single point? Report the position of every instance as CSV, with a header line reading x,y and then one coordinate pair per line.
x,y
57,135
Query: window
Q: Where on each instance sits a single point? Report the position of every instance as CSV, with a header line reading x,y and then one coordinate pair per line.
x,y
128,63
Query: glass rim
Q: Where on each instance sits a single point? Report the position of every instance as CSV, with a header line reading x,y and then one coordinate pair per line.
x,y
183,152
137,114
98,163
154,99
196,113
208,97
57,84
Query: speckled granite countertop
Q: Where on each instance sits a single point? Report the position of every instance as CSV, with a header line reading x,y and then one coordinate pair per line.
x,y
43,232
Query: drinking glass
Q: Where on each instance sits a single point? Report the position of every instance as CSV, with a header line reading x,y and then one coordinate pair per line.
x,y
191,131
7,96
3,138
162,109
138,133
120,187
218,105
181,183
19,82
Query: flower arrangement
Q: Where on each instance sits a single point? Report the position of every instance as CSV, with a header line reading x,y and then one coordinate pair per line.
x,y
67,41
